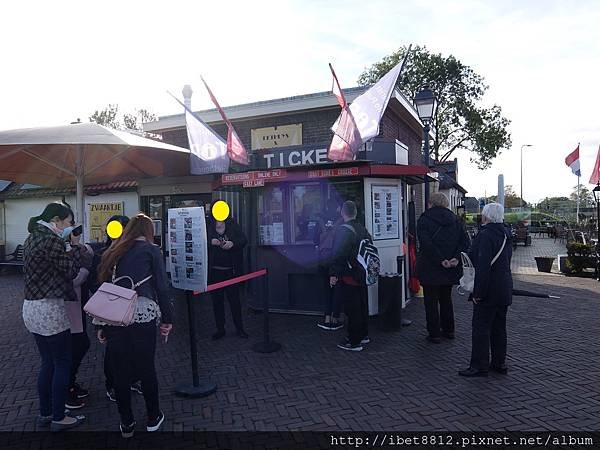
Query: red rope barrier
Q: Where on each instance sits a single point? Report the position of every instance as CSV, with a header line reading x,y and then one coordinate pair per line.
x,y
240,279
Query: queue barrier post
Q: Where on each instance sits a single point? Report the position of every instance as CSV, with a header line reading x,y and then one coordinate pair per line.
x,y
196,389
267,345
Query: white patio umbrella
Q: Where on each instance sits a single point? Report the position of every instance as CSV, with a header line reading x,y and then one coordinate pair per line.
x,y
85,153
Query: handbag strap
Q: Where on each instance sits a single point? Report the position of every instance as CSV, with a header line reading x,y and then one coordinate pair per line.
x,y
133,285
499,252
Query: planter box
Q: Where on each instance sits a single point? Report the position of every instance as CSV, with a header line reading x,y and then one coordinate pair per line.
x,y
544,263
562,264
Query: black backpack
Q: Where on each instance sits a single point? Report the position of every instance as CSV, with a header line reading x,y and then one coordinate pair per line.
x,y
366,266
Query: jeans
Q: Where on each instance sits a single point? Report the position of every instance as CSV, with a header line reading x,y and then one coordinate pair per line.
x,y
489,331
218,300
80,344
332,304
53,379
442,317
132,351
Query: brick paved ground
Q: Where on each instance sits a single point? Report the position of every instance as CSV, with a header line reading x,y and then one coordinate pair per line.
x,y
523,261
400,382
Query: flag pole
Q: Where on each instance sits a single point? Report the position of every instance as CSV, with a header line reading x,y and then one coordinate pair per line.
x,y
577,199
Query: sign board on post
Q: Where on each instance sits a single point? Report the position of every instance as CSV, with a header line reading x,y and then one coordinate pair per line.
x,y
386,212
188,253
98,215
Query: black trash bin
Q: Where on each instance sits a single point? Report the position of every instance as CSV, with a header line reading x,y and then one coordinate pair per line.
x,y
390,301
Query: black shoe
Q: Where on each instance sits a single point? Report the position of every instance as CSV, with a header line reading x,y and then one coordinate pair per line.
x,y
79,391
127,430
136,386
503,369
348,346
449,335
218,335
72,402
110,394
154,424
242,334
434,340
471,372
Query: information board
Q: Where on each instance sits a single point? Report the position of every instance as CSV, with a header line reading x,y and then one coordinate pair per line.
x,y
188,253
386,212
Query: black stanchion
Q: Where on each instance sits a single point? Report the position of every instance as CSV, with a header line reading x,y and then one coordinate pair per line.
x,y
196,389
267,345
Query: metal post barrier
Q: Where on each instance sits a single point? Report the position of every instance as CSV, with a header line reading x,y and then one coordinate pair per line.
x,y
197,389
266,346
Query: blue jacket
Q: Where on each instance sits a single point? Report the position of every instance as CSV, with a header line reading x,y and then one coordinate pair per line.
x,y
493,284
142,260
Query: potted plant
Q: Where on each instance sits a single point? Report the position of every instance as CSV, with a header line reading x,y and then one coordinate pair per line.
x,y
544,263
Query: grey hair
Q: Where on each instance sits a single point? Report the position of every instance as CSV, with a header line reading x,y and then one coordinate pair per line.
x,y
494,212
439,199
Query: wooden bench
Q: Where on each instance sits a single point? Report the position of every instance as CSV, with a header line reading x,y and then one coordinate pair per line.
x,y
15,258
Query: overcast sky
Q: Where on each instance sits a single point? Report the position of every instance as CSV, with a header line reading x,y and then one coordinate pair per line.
x,y
62,60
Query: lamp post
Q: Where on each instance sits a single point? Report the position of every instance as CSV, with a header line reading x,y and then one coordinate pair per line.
x,y
521,199
425,102
596,192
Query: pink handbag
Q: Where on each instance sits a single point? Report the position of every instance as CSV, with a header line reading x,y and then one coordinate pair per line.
x,y
112,304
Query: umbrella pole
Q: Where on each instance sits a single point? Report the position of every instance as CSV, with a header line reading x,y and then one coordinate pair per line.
x,y
80,175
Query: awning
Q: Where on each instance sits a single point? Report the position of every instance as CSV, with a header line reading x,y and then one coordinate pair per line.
x,y
411,174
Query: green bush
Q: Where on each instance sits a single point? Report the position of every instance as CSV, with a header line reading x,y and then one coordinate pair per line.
x,y
580,256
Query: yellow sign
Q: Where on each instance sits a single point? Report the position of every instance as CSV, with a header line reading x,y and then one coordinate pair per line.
x,y
220,210
98,215
281,136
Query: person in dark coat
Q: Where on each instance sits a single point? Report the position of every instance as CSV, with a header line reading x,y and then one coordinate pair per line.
x,y
490,253
226,243
350,290
442,237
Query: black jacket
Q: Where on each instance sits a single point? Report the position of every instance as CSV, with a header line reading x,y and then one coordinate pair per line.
x,y
142,260
441,236
493,284
226,258
345,247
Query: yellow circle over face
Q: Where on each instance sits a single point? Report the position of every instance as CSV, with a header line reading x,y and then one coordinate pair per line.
x,y
114,229
220,210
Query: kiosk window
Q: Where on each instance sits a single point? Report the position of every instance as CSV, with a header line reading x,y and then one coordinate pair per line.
x,y
271,216
306,207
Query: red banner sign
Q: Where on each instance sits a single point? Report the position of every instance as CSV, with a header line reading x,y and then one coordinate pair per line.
x,y
253,183
339,172
253,179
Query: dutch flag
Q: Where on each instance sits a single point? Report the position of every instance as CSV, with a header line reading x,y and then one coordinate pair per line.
x,y
573,161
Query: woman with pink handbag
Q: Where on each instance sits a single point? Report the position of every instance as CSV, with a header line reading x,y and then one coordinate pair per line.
x,y
135,262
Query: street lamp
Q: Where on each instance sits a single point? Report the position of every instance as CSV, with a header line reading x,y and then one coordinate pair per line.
x,y
596,192
425,102
521,200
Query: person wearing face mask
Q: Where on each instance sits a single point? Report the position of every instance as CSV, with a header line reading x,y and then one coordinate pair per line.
x,y
49,270
226,243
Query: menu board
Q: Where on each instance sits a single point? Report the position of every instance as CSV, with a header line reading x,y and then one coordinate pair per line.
x,y
386,212
188,257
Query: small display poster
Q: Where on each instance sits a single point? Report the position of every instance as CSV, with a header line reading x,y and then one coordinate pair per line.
x,y
386,212
188,253
98,215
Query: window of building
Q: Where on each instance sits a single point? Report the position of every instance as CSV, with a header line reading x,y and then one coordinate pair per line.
x,y
271,216
306,208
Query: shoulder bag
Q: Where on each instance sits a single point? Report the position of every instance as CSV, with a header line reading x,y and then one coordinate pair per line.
x,y
467,281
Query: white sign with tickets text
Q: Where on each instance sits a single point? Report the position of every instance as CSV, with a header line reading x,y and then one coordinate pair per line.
x,y
188,254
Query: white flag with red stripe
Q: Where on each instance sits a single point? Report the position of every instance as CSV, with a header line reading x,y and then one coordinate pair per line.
x,y
595,178
235,148
346,138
